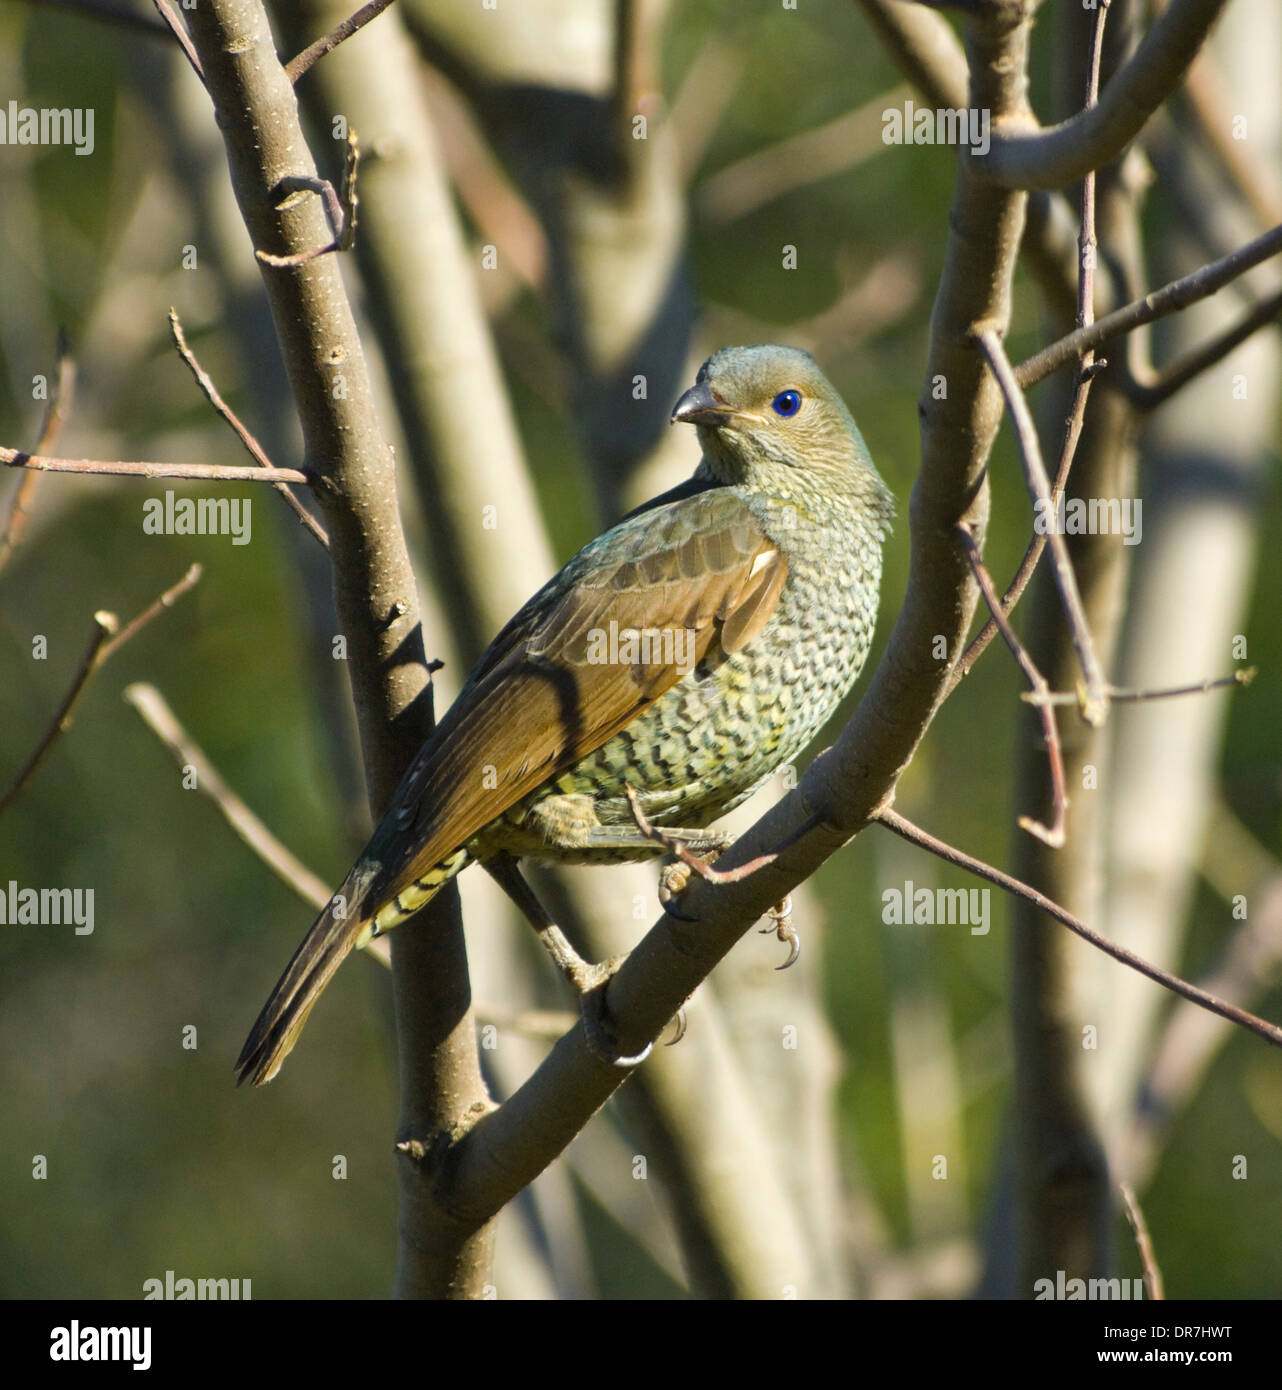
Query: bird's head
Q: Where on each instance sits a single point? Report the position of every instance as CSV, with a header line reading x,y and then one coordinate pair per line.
x,y
764,412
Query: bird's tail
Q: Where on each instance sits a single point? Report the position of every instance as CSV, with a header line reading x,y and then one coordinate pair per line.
x,y
349,920
340,927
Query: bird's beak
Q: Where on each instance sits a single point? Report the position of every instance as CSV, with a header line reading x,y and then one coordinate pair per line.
x,y
701,406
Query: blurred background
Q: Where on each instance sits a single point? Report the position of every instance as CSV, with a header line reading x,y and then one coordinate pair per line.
x,y
523,257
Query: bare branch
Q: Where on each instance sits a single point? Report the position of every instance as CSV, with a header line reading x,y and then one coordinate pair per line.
x,y
252,446
179,31
151,612
1088,245
106,638
1171,298
915,835
1119,697
160,719
57,409
340,208
198,472
1052,835
313,53
1062,154
1039,487
1150,394
1144,1244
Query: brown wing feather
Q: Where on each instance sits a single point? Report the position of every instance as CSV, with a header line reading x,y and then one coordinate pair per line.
x,y
537,702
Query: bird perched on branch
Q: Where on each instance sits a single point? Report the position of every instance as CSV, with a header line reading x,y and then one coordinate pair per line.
x,y
649,687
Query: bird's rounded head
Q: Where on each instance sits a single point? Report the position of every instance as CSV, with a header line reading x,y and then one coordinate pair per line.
x,y
766,408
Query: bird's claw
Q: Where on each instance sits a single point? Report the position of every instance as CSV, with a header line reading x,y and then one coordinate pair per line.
x,y
598,1026
781,923
680,1030
673,881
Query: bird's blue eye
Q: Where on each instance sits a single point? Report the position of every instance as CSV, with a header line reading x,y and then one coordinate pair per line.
x,y
787,403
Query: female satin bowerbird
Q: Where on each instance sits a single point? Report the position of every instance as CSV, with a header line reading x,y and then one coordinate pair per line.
x,y
680,658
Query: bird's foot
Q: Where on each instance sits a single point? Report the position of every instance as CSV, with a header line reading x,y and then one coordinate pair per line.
x,y
673,881
679,842
781,924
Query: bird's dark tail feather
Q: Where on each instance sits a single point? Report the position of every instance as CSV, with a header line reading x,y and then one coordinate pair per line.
x,y
339,927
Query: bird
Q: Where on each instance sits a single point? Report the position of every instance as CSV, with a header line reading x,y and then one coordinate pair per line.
x,y
652,685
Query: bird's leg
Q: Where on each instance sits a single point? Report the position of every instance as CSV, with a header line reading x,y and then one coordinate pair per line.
x,y
588,981
502,868
677,876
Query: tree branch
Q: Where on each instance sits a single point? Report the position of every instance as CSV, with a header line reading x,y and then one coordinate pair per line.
x,y
1062,154
198,472
1172,297
375,592
161,720
252,446
313,53
56,411
915,835
1039,487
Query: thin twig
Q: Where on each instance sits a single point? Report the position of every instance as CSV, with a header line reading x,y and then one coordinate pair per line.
x,y
57,409
1039,487
252,446
915,835
151,612
179,31
161,720
158,717
1088,245
1150,394
1054,834
202,472
105,625
1131,697
107,637
313,53
1144,1244
1170,299
1088,248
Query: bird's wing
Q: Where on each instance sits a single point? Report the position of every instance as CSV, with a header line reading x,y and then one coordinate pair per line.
x,y
542,696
